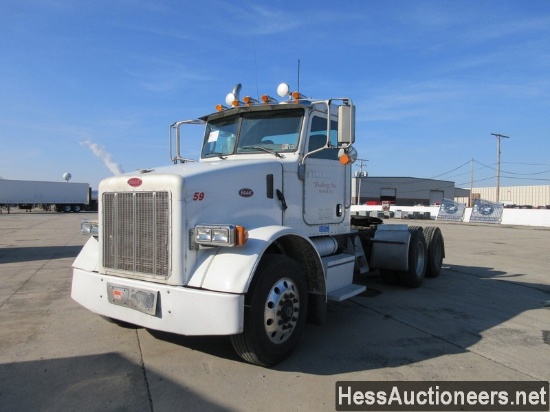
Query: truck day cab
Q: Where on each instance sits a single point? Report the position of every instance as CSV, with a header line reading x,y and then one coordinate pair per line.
x,y
252,239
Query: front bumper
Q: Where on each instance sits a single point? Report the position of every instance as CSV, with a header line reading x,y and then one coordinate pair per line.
x,y
180,310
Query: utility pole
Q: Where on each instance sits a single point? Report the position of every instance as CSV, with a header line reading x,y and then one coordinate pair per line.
x,y
471,200
498,136
358,180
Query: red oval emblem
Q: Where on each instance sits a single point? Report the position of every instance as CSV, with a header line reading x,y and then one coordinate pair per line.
x,y
246,192
135,181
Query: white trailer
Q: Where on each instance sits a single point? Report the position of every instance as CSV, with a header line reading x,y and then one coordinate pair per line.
x,y
252,239
63,196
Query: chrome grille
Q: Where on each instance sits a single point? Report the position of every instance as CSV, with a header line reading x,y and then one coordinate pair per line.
x,y
136,232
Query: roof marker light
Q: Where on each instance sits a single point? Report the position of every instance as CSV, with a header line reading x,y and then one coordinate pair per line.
x,y
298,96
220,107
249,100
268,99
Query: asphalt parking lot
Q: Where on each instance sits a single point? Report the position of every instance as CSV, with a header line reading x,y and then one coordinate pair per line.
x,y
487,317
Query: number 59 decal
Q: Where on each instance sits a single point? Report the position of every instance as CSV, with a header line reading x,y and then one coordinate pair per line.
x,y
198,196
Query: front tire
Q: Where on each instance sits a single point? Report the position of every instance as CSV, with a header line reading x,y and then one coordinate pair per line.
x,y
275,312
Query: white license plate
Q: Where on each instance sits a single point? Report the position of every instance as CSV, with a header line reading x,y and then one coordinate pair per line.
x,y
138,299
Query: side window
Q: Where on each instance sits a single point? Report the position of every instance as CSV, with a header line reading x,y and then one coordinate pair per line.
x,y
318,139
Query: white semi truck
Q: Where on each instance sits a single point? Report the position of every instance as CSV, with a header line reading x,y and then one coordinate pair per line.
x,y
61,196
252,239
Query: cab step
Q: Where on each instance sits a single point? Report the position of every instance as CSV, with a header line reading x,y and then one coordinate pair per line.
x,y
346,292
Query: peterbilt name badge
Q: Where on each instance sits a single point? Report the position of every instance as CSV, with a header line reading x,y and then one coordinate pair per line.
x,y
135,181
246,192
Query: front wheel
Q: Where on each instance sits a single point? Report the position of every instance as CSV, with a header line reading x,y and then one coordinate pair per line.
x,y
275,312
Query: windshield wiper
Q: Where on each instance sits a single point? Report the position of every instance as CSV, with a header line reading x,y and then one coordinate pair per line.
x,y
265,149
219,154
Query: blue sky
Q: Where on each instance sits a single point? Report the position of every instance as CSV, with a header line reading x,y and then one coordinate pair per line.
x,y
431,80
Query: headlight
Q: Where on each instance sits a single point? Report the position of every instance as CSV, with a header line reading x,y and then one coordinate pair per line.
x,y
203,234
220,235
89,228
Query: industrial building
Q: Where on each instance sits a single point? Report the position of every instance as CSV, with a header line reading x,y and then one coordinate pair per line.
x,y
411,191
513,196
403,191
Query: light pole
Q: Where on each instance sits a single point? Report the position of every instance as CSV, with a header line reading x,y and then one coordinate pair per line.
x,y
471,199
359,180
498,136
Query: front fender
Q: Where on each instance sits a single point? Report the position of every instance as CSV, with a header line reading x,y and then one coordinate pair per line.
x,y
230,269
88,258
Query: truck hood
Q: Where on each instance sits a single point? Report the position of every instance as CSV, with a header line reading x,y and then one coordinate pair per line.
x,y
225,191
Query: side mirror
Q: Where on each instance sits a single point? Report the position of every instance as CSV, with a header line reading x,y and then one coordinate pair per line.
x,y
346,124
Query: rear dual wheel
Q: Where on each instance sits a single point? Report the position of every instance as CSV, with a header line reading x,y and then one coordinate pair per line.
x,y
275,312
436,250
426,253
418,251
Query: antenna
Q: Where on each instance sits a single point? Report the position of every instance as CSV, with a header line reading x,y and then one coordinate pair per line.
x,y
256,68
298,75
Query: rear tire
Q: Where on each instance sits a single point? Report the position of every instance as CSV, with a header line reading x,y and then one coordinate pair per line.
x,y
436,250
417,260
275,312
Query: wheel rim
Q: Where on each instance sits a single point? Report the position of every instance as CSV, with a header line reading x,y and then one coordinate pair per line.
x,y
421,259
282,308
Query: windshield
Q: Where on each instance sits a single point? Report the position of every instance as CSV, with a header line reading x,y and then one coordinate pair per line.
x,y
253,132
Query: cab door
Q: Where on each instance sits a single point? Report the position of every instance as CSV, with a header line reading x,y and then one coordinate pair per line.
x,y
326,180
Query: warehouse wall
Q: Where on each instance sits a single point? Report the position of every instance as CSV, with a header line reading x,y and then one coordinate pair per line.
x,y
408,191
535,196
